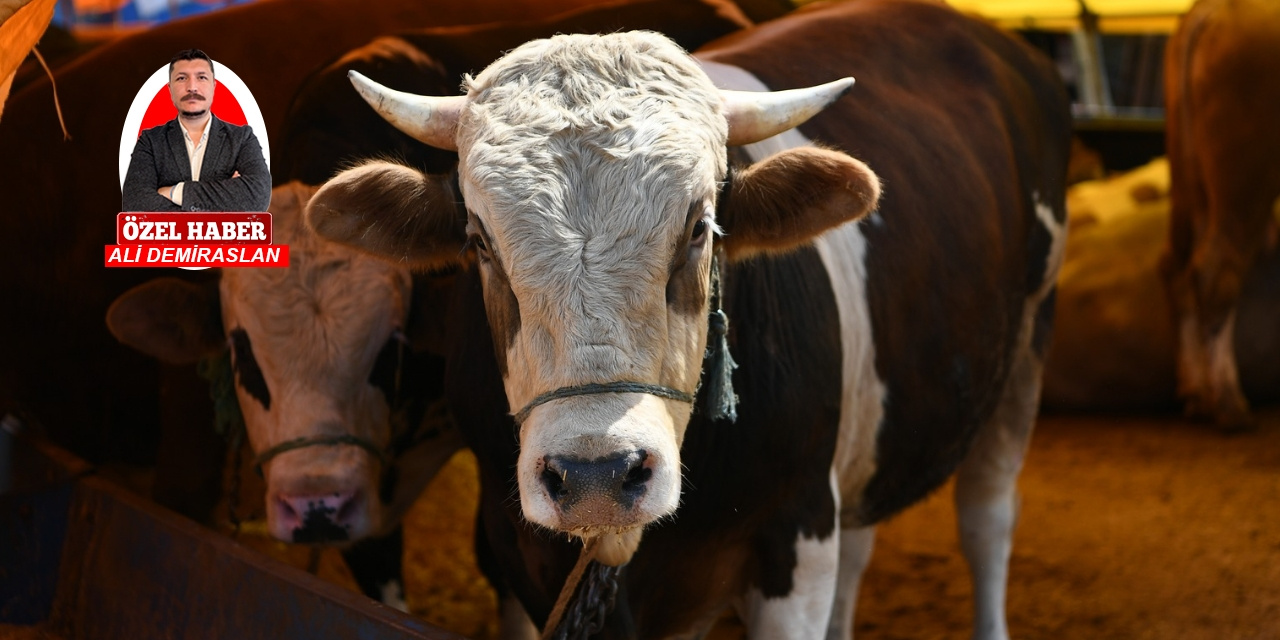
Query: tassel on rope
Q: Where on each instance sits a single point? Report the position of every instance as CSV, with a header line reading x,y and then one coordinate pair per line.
x,y
719,401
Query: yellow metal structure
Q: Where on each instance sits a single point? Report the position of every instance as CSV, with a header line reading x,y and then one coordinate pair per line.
x,y
1114,16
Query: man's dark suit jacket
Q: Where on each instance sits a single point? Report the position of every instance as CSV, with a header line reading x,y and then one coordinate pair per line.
x,y
160,159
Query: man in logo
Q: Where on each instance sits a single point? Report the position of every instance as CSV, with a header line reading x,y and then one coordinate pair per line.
x,y
196,162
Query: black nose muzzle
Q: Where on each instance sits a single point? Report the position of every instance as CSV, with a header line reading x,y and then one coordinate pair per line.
x,y
319,527
616,481
317,519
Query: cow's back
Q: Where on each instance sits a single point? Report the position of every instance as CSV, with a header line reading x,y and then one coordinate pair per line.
x,y
968,130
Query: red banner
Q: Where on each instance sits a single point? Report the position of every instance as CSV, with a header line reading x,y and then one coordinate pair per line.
x,y
195,255
140,228
194,240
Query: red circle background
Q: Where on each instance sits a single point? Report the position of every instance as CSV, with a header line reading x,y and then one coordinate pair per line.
x,y
161,109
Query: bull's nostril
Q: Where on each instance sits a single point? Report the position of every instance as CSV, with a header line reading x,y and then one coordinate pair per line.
x,y
554,483
637,473
636,478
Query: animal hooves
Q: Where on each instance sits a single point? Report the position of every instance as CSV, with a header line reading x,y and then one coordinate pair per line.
x,y
1226,416
1197,409
1234,421
1233,415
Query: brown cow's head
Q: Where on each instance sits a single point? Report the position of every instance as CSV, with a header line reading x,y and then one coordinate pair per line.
x,y
591,167
315,350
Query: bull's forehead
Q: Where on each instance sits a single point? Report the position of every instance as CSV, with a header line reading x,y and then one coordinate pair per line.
x,y
590,151
583,82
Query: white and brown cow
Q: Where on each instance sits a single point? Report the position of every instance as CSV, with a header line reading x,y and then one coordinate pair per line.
x,y
876,359
1222,138
322,367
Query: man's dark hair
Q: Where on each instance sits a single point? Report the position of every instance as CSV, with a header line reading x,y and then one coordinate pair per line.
x,y
190,54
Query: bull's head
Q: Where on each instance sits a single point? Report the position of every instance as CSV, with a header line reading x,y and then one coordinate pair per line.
x,y
592,168
316,350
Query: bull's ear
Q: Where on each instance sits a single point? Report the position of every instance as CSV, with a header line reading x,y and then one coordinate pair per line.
x,y
790,197
172,320
392,212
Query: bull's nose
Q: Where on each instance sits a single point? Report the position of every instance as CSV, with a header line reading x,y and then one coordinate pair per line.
x,y
618,479
316,518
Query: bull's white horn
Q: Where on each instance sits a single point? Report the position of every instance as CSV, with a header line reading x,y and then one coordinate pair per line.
x,y
427,119
756,115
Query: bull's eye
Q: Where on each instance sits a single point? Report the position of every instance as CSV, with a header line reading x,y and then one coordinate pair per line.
x,y
699,235
481,247
477,239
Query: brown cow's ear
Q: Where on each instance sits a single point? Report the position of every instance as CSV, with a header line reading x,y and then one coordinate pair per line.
x,y
392,212
172,320
787,199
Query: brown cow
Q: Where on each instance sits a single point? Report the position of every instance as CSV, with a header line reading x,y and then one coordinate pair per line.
x,y
338,397
1222,138
1114,344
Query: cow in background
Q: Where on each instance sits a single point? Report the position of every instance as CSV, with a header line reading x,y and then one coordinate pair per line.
x,y
339,396
1222,138
1114,341
875,359
329,125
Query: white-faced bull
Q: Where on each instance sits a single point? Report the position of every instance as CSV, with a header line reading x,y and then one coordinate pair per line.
x,y
874,359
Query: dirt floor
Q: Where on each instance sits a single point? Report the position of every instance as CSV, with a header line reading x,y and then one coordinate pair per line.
x,y
1135,527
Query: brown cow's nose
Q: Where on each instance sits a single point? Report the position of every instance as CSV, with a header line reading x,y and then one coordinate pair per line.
x,y
618,479
317,518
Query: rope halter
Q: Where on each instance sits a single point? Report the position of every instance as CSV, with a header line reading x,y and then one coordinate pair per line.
x,y
298,443
594,388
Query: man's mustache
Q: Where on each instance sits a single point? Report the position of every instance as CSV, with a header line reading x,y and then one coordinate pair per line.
x,y
195,96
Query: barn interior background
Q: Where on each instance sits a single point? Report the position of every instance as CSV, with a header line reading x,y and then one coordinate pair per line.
x,y
1136,523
